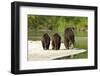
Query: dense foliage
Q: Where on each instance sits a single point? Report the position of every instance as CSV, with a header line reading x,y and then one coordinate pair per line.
x,y
56,23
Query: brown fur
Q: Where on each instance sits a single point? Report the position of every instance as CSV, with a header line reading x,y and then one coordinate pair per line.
x,y
56,41
45,41
69,37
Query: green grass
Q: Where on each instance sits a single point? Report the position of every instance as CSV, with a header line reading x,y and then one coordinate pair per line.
x,y
81,42
36,34
81,56
78,56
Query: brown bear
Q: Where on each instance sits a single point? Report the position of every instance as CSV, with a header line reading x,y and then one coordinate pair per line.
x,y
56,41
45,41
69,37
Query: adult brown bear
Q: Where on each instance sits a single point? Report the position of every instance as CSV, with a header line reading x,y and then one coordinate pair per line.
x,y
45,41
56,41
69,37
